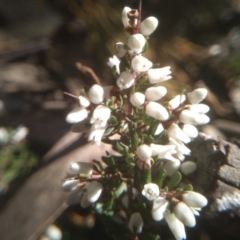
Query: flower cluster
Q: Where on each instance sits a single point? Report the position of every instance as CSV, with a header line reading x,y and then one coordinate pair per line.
x,y
149,131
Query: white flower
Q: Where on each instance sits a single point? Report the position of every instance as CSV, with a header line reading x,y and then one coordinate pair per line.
x,y
135,223
144,152
189,117
175,225
156,75
175,132
194,199
137,99
150,191
155,93
148,26
190,130
176,101
125,80
90,193
53,233
83,101
114,61
95,94
159,207
184,214
77,115
96,134
199,108
136,42
140,64
125,19
163,151
188,167
180,148
70,184
100,116
157,111
81,167
171,167
197,95
19,134
120,50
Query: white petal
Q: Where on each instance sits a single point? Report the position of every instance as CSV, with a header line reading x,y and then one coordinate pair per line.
x,y
136,42
114,61
125,19
155,93
120,50
194,199
157,111
70,184
184,214
77,115
158,149
150,191
157,75
96,94
159,207
93,191
95,135
81,167
190,130
83,101
100,116
189,117
188,167
175,226
176,101
159,129
197,95
199,108
194,211
148,26
144,152
175,132
125,80
135,223
171,167
140,64
53,233
137,99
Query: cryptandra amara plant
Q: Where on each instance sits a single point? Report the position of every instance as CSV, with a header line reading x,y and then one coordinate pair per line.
x,y
136,187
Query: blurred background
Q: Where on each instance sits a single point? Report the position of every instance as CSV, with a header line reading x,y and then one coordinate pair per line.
x,y
42,40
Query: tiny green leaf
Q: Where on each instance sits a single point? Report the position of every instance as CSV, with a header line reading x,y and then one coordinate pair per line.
x,y
188,187
160,178
175,179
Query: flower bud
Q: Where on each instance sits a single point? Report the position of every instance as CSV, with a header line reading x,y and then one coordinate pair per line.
x,y
137,99
150,191
148,26
156,75
197,95
194,118
171,167
155,93
194,199
199,108
175,132
70,184
159,207
125,80
135,223
175,102
144,152
157,111
77,115
188,167
140,64
125,19
120,50
184,214
83,101
190,130
53,233
176,227
96,94
136,42
81,167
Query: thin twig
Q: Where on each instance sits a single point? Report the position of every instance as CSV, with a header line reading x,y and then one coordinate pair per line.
x,y
87,70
